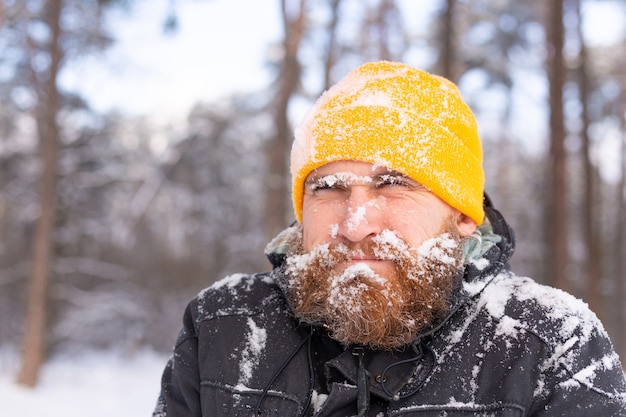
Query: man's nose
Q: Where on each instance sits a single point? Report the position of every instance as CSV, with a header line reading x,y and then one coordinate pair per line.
x,y
361,216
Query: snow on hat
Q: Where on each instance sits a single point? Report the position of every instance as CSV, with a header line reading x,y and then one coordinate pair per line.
x,y
393,115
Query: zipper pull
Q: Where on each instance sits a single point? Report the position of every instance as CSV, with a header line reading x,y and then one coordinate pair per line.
x,y
362,383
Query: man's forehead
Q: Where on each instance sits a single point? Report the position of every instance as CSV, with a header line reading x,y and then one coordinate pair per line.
x,y
359,168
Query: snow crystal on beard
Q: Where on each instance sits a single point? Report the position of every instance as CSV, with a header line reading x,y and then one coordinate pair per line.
x,y
361,307
347,288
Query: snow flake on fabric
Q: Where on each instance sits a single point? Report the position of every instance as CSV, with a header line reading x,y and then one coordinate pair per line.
x,y
481,263
255,345
222,294
508,327
230,281
473,288
317,400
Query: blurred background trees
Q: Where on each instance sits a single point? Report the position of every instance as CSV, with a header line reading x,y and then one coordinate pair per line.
x,y
109,224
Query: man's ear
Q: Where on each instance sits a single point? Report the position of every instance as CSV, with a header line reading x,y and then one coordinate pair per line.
x,y
465,224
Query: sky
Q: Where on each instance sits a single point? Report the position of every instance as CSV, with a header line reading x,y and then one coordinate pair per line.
x,y
218,49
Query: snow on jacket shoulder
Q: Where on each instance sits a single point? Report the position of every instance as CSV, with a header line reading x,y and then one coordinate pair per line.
x,y
526,348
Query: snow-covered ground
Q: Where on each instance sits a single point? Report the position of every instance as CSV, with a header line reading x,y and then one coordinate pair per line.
x,y
91,384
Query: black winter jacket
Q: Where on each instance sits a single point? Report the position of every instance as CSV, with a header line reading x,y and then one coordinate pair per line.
x,y
510,348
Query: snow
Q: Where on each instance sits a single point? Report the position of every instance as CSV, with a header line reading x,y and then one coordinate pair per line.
x,y
390,238
318,400
250,357
89,384
356,217
333,230
480,264
350,295
229,281
435,248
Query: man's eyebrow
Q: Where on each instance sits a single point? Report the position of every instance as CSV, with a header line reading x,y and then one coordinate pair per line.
x,y
337,177
399,176
391,173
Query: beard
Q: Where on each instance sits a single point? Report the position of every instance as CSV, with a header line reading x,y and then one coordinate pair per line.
x,y
359,306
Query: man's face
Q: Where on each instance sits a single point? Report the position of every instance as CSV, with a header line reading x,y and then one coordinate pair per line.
x,y
376,255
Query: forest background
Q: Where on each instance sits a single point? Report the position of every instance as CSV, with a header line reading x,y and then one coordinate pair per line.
x,y
110,221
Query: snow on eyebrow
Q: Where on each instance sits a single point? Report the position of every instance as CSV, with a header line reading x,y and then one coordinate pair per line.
x,y
339,178
255,345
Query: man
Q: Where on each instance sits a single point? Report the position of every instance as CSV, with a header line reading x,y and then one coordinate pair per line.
x,y
390,295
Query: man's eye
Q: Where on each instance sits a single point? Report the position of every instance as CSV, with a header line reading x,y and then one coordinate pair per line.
x,y
392,180
323,184
320,187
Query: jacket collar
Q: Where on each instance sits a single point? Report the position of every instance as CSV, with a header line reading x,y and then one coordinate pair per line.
x,y
397,373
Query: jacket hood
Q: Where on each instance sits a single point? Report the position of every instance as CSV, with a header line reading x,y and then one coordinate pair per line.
x,y
490,248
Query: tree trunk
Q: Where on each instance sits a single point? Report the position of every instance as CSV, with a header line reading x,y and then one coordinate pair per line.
x,y
448,50
332,54
592,239
277,196
557,212
34,342
620,236
382,22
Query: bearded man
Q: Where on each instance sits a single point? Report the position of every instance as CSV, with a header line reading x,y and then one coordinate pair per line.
x,y
390,295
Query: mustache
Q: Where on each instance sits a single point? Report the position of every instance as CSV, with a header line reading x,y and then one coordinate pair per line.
x,y
327,256
389,246
385,246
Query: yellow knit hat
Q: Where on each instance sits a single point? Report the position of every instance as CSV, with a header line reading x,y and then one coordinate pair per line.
x,y
393,115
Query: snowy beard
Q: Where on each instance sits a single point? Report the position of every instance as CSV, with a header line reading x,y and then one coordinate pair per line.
x,y
359,306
